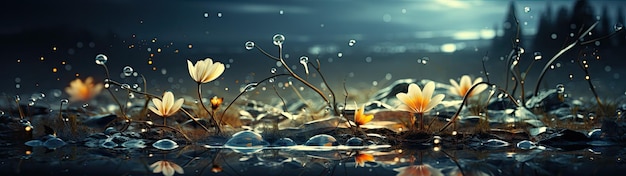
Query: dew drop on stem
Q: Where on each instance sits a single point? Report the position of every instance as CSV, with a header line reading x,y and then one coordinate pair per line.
x,y
278,39
127,70
560,88
64,101
101,59
249,45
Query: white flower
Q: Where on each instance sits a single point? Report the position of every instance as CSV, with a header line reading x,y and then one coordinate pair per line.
x,y
418,101
465,84
205,71
167,106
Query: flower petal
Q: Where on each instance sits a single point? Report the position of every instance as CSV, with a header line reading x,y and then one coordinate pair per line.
x,y
434,102
192,70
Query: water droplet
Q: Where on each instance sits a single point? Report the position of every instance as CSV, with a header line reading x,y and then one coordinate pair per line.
x,y
340,55
526,9
537,55
304,60
206,14
127,70
85,105
165,144
64,101
560,88
322,140
351,42
423,60
278,39
250,86
31,103
131,95
495,143
355,141
219,14
54,143
134,143
618,27
125,86
246,142
107,85
571,76
587,77
283,142
591,116
249,45
526,145
273,70
281,12
101,59
271,80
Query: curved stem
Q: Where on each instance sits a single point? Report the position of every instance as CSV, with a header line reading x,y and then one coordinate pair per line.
x,y
241,93
557,55
108,77
282,61
334,103
267,54
466,97
218,129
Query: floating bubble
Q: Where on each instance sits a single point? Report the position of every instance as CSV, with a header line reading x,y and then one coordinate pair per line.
x,y
206,14
351,42
249,45
340,55
355,141
537,55
101,59
271,80
54,143
284,142
560,88
34,143
618,27
134,143
278,39
127,70
526,9
273,70
246,139
322,140
108,144
423,60
219,14
165,144
64,101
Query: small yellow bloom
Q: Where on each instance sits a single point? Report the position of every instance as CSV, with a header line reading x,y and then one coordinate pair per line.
x,y
418,101
166,167
216,102
167,106
83,91
361,158
205,71
360,118
465,84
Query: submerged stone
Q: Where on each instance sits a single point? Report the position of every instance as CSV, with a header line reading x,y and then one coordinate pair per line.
x,y
322,140
246,139
34,143
134,143
284,142
495,143
108,144
526,145
165,144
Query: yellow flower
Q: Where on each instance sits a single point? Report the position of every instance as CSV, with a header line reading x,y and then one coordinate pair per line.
x,y
361,158
205,71
166,167
83,91
360,118
418,101
421,170
167,106
465,84
216,102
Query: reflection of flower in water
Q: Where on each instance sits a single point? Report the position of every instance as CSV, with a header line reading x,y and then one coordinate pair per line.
x,y
167,106
166,167
360,118
418,101
83,91
361,158
421,170
465,84
205,71
216,168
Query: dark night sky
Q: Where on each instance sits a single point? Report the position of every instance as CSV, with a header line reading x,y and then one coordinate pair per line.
x,y
312,27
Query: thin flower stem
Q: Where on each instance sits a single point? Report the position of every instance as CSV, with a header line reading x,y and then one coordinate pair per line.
x,y
267,54
456,115
212,119
241,93
108,77
282,61
194,119
334,103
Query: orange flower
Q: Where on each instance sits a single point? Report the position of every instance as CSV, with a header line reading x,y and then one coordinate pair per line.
x,y
167,106
216,168
361,158
360,118
465,84
420,170
166,167
205,71
83,91
417,101
216,102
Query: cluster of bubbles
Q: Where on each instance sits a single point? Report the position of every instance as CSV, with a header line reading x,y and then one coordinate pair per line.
x,y
423,60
